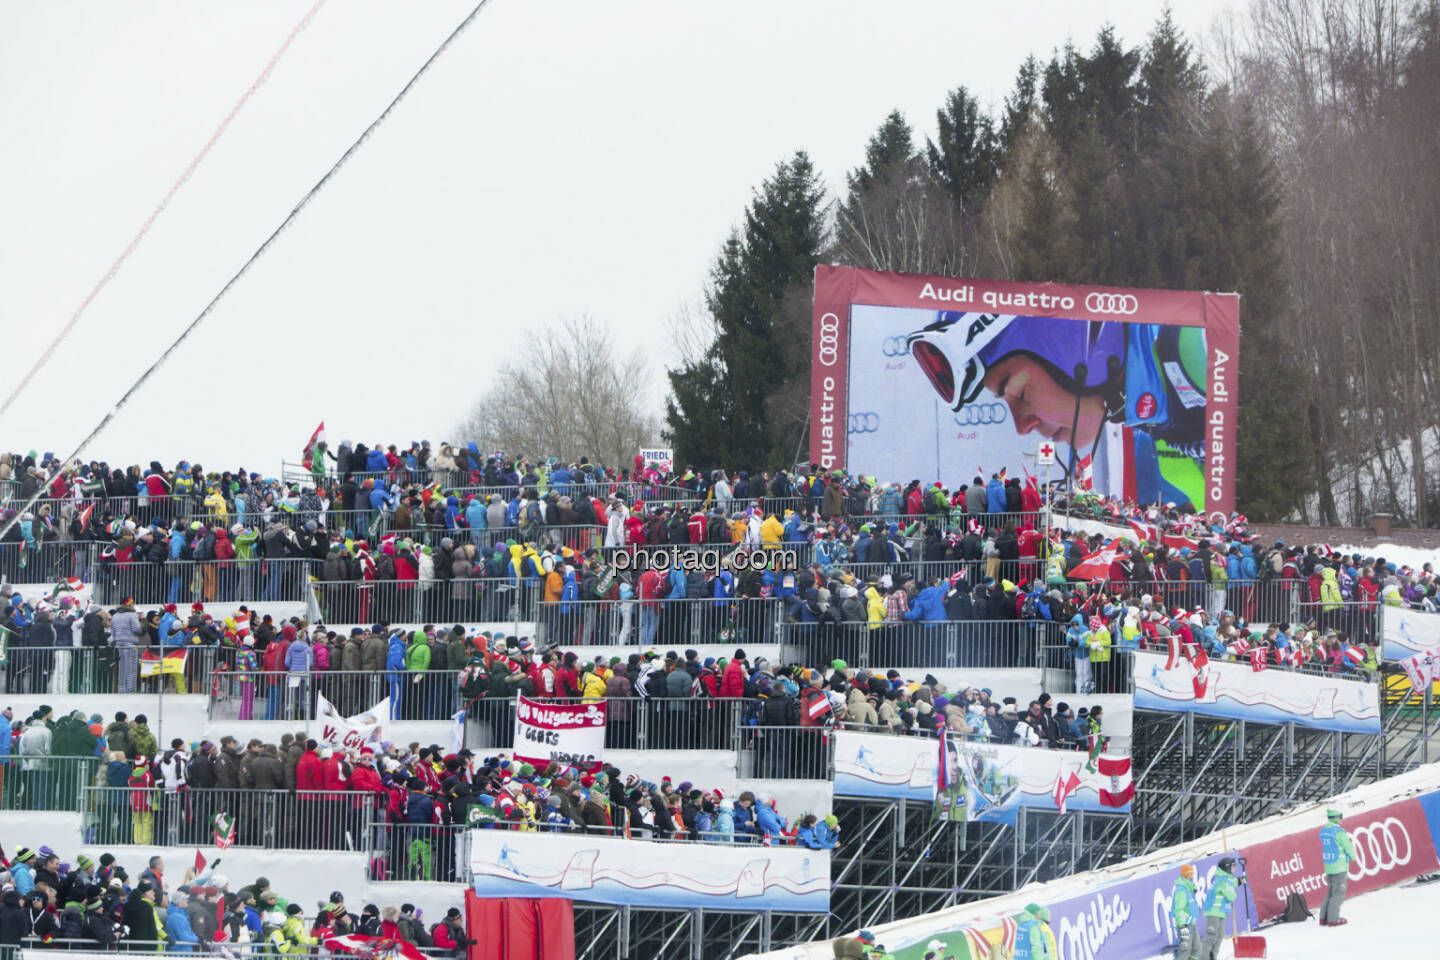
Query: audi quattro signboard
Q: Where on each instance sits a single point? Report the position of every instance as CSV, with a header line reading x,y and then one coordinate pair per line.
x,y
1392,845
935,378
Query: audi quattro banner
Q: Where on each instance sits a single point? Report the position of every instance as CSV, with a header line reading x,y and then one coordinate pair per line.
x,y
571,734
594,869
945,379
884,765
1392,844
1237,691
1408,632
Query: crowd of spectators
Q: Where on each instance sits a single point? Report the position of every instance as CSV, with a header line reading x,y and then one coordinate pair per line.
x,y
98,904
542,546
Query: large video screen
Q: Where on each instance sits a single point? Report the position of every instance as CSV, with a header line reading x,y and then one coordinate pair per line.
x,y
1132,392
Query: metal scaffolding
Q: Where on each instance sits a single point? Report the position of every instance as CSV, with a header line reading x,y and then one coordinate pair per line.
x,y
1193,775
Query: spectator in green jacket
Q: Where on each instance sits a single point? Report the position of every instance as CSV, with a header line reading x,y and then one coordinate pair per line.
x,y
1336,850
1184,912
1218,904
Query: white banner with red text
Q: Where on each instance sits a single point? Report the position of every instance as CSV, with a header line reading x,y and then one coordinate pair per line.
x,y
350,733
571,734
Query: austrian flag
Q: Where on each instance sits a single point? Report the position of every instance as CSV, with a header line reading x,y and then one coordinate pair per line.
x,y
1121,787
1067,783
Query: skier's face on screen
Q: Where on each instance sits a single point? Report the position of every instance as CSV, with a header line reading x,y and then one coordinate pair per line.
x,y
1040,405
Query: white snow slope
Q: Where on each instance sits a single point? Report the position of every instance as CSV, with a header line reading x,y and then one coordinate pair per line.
x,y
1386,924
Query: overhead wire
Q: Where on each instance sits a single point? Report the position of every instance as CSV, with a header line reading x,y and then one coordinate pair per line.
x,y
180,181
309,195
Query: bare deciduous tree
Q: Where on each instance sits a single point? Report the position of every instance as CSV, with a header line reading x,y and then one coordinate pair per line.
x,y
568,394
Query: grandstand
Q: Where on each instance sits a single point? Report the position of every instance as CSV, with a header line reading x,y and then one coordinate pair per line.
x,y
848,734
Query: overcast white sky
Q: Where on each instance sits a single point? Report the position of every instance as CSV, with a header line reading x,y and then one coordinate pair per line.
x,y
564,157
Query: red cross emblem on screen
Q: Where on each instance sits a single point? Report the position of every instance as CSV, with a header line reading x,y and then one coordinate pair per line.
x,y
1046,451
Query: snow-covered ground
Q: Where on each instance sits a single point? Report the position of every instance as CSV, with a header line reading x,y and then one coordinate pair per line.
x,y
1415,557
1388,924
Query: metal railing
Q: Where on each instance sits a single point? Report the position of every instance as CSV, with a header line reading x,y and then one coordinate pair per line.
x,y
787,753
1269,601
268,819
418,852
44,782
62,671
187,581
227,951
949,643
291,695
631,723
474,600
656,623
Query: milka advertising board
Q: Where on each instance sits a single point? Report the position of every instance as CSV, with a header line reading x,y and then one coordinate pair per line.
x,y
945,379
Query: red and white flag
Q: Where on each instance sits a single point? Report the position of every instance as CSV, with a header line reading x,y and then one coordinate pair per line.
x,y
1257,660
1083,478
1065,784
979,946
1144,532
1355,655
1175,652
1121,788
1177,542
1200,660
1096,566
374,948
316,438
1423,669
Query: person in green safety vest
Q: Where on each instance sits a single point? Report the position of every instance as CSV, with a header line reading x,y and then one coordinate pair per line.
x,y
1336,850
1030,940
1218,904
1184,914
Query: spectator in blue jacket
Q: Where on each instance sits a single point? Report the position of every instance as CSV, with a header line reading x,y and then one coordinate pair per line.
x,y
476,515
745,816
172,628
818,834
767,821
177,550
995,494
929,604
395,664
178,931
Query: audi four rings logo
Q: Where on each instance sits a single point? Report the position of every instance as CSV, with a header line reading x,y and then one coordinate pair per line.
x,y
1377,847
894,347
976,414
864,422
1120,303
828,346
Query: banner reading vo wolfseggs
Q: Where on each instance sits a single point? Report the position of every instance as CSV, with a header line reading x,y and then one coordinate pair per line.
x,y
571,734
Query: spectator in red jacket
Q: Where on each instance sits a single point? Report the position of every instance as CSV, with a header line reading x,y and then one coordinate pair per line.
x,y
732,676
